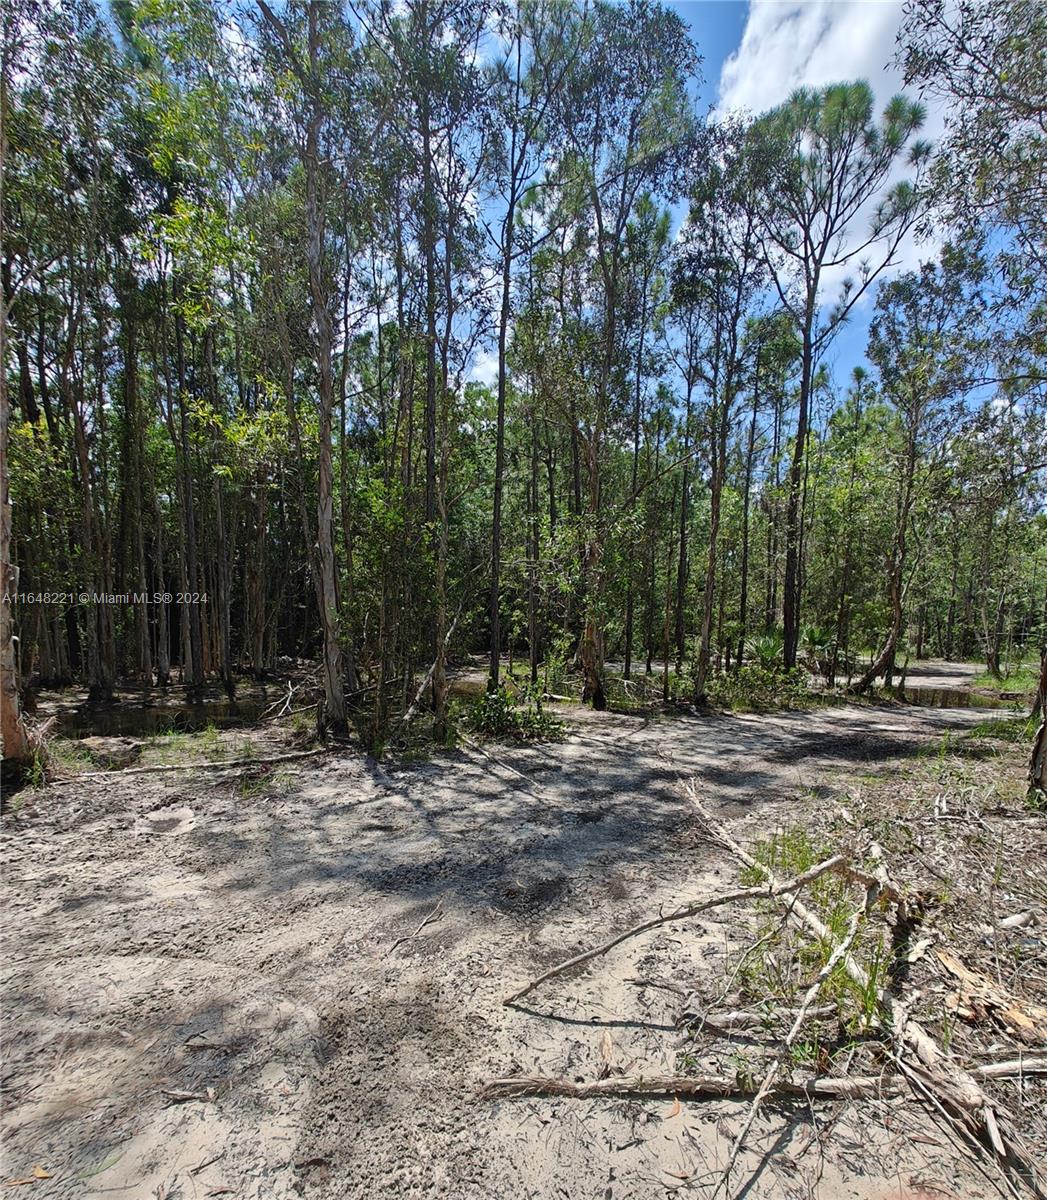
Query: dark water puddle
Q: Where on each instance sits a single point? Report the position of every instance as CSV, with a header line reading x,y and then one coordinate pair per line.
x,y
136,720
934,697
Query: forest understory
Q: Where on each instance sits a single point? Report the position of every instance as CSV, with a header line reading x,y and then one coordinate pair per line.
x,y
287,978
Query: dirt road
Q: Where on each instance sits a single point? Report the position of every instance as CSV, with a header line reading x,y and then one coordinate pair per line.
x,y
231,982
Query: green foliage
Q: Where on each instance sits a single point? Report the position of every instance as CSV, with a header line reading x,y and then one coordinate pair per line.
x,y
1022,677
498,716
766,649
788,852
756,688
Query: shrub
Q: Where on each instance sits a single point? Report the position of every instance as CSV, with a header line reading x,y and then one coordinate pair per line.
x,y
766,648
760,688
495,715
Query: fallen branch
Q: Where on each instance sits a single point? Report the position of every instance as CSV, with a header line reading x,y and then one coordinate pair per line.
x,y
411,936
856,1087
840,951
284,703
413,708
701,1087
681,914
224,764
1013,1068
954,1087
729,1021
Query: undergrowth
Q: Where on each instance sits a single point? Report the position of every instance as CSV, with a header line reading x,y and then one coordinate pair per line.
x,y
1022,677
500,716
783,963
757,687
1004,729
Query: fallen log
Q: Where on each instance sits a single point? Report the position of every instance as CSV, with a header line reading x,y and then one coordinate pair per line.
x,y
699,1087
728,1087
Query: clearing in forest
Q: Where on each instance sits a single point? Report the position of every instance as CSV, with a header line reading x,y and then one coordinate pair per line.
x,y
288,979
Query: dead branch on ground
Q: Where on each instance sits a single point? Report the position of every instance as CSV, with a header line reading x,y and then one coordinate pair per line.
x,y
761,892
958,1092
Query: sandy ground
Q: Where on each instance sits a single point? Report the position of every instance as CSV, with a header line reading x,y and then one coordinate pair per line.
x,y
218,988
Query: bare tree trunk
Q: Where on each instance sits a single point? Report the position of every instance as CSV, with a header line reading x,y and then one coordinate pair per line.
x,y
193,670
719,465
791,589
499,441
14,744
163,637
884,660
334,692
12,728
743,602
683,565
532,566
1038,759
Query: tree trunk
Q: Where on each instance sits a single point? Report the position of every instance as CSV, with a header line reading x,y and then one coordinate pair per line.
x,y
743,601
334,691
1038,760
12,727
499,442
883,662
791,589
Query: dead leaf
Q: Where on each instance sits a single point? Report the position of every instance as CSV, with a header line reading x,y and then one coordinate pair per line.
x,y
40,1173
676,1110
607,1048
1019,920
919,949
981,994
677,1174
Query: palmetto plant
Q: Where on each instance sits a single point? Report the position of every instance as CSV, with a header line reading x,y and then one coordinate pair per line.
x,y
816,642
766,648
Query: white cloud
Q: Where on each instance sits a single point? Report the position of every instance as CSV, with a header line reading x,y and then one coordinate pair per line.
x,y
788,44
484,368
794,43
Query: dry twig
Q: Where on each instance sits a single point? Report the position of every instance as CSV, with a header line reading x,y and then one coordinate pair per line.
x,y
761,892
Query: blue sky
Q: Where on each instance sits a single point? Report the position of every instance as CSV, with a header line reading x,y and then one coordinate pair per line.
x,y
755,54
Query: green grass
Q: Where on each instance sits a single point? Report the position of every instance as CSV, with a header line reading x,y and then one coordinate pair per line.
x,y
164,749
1022,677
788,852
69,755
269,783
1004,729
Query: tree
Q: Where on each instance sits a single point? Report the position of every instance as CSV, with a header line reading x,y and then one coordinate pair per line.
x,y
522,118
719,279
325,51
987,59
819,161
630,129
920,344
